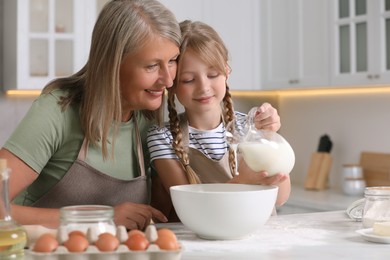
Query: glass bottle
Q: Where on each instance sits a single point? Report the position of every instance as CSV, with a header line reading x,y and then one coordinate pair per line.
x,y
13,236
265,150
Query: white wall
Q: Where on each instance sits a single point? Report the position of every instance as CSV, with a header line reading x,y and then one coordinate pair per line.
x,y
355,123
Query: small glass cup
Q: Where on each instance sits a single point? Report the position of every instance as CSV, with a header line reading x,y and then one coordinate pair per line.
x,y
84,217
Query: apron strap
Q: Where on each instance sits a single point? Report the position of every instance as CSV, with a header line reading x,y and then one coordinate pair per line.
x,y
183,123
140,155
83,150
139,147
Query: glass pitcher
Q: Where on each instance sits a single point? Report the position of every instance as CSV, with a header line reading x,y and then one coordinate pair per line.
x,y
13,236
264,150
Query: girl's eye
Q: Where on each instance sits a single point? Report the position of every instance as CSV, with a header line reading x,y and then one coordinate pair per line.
x,y
187,80
214,75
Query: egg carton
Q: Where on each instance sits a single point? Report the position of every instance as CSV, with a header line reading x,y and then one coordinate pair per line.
x,y
153,252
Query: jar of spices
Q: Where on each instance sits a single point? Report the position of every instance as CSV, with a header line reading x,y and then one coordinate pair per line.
x,y
376,206
86,218
353,180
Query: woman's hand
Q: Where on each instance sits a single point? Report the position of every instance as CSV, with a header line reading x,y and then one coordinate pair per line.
x,y
267,118
136,216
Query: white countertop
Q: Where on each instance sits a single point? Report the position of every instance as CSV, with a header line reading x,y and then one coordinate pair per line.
x,y
322,235
323,200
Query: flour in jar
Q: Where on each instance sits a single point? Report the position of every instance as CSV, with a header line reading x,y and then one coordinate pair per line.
x,y
268,156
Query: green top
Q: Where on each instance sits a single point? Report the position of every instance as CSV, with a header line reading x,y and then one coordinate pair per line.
x,y
49,140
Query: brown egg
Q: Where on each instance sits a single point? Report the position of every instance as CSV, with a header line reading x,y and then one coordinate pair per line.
x,y
135,231
46,243
107,242
165,232
76,233
76,243
137,242
166,239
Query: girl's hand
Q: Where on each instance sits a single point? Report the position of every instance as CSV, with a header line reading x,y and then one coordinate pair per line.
x,y
247,176
259,178
136,216
267,118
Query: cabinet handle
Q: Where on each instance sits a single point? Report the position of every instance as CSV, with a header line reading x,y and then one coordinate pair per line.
x,y
376,76
293,81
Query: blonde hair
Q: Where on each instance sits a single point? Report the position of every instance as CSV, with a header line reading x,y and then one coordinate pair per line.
x,y
204,41
121,28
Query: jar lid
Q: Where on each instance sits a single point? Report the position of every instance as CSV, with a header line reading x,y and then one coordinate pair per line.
x,y
86,213
377,191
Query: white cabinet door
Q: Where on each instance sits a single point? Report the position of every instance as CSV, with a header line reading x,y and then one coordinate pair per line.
x,y
45,39
360,42
238,24
295,43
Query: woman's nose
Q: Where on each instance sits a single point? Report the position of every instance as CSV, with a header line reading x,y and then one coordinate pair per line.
x,y
167,75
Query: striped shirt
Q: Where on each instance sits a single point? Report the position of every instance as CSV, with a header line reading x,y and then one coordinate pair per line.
x,y
211,143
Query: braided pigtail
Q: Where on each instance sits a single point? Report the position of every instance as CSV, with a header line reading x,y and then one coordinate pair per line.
x,y
228,116
177,143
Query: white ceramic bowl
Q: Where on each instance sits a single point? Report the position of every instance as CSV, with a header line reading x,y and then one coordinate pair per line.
x,y
223,210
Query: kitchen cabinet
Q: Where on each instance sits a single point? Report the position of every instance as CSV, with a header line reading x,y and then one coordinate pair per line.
x,y
45,39
294,43
360,42
238,24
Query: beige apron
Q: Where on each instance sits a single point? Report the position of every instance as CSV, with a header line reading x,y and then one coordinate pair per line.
x,y
208,170
83,184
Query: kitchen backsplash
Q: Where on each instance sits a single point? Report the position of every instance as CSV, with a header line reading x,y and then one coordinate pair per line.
x,y
354,122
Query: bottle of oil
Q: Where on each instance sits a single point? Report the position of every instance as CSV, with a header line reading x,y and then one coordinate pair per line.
x,y
13,237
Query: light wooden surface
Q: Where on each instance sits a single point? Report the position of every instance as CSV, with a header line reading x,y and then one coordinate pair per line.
x,y
376,168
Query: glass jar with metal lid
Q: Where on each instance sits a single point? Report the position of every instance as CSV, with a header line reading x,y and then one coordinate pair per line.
x,y
84,217
376,205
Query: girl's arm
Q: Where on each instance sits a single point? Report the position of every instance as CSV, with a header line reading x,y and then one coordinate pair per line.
x,y
170,173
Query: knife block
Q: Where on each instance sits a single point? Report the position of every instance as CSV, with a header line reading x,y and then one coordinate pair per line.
x,y
318,173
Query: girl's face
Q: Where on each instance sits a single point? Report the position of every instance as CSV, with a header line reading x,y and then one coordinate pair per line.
x,y
200,87
146,73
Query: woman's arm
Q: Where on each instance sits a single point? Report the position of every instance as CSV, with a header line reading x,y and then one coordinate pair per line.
x,y
20,178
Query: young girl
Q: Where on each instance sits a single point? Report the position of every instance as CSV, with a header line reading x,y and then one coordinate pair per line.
x,y
193,148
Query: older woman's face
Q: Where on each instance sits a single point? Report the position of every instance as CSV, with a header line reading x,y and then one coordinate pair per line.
x,y
146,73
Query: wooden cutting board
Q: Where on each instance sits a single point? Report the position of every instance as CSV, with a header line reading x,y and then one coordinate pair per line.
x,y
376,168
